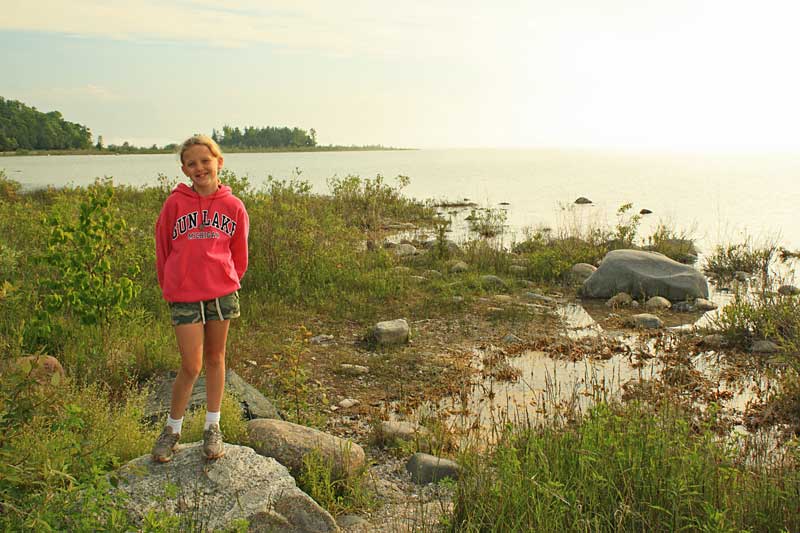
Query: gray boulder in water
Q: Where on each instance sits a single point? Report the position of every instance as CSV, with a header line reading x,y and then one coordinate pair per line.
x,y
242,485
644,274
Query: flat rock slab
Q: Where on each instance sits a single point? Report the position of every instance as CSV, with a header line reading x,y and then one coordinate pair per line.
x,y
240,485
644,274
254,404
390,332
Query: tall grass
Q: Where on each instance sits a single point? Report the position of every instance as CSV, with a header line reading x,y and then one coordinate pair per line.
x,y
624,469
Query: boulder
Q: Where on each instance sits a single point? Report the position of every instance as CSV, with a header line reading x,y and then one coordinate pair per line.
x,y
254,404
701,304
389,432
458,267
451,246
582,200
242,485
764,347
490,282
657,303
425,468
42,368
788,290
390,332
289,443
644,274
402,250
581,271
644,321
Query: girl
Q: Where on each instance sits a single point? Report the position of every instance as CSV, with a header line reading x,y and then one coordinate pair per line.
x,y
201,256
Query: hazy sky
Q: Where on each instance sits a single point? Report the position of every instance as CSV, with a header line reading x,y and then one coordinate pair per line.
x,y
697,74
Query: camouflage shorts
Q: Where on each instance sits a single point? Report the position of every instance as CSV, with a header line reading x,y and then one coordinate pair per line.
x,y
222,308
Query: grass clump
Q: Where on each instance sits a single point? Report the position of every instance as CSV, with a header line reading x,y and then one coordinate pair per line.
x,y
624,469
726,260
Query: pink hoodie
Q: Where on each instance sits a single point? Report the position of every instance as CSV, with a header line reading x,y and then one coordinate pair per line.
x,y
201,244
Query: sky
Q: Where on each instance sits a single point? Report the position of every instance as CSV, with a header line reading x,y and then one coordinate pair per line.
x,y
642,74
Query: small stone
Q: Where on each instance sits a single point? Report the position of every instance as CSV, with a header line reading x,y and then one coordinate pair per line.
x,y
582,200
457,299
321,339
351,521
621,299
683,307
390,432
645,321
644,211
425,468
348,402
403,250
353,370
764,347
402,270
495,310
714,341
535,296
432,274
701,304
503,299
251,362
418,279
657,303
390,332
511,339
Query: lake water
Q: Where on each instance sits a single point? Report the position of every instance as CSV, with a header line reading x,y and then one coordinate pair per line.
x,y
715,198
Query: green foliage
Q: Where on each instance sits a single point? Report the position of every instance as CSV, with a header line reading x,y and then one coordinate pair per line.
x,y
81,253
337,496
668,241
292,379
232,425
23,127
549,258
726,260
487,222
751,317
627,225
623,469
367,203
269,137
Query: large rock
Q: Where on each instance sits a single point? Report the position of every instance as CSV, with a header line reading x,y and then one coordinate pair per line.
x,y
240,485
289,443
644,274
425,468
390,332
581,271
254,404
45,369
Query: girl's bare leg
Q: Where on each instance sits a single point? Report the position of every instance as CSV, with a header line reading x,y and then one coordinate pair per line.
x,y
216,336
190,345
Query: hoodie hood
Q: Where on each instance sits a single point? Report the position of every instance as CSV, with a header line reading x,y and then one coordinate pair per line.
x,y
185,190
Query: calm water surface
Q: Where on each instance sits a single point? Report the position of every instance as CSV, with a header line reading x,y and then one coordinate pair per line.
x,y
715,198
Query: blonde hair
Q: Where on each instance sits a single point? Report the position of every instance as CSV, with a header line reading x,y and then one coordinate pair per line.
x,y
204,140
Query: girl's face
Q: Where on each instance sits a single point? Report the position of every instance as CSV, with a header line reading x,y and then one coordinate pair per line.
x,y
201,166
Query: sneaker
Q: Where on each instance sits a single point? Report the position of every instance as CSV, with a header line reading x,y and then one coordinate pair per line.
x,y
165,445
212,442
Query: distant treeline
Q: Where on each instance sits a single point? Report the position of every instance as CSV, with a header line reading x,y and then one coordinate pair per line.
x,y
269,137
26,128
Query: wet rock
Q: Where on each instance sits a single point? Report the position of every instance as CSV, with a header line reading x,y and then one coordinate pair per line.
x,y
458,267
657,303
490,282
622,299
254,404
764,347
580,272
788,290
390,332
353,370
518,270
644,321
289,443
425,468
582,200
389,433
511,339
641,273
240,485
701,304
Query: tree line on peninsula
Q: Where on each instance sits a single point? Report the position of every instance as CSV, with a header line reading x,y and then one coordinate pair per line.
x,y
24,128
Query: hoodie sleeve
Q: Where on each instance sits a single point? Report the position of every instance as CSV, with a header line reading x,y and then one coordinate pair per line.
x,y
239,243
163,242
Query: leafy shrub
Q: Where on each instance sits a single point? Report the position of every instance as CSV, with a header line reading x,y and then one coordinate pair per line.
x,y
726,260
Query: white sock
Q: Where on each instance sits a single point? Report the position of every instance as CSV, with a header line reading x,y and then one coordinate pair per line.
x,y
176,425
211,418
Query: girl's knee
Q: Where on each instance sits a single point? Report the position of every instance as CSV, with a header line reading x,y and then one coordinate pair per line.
x,y
214,359
191,370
